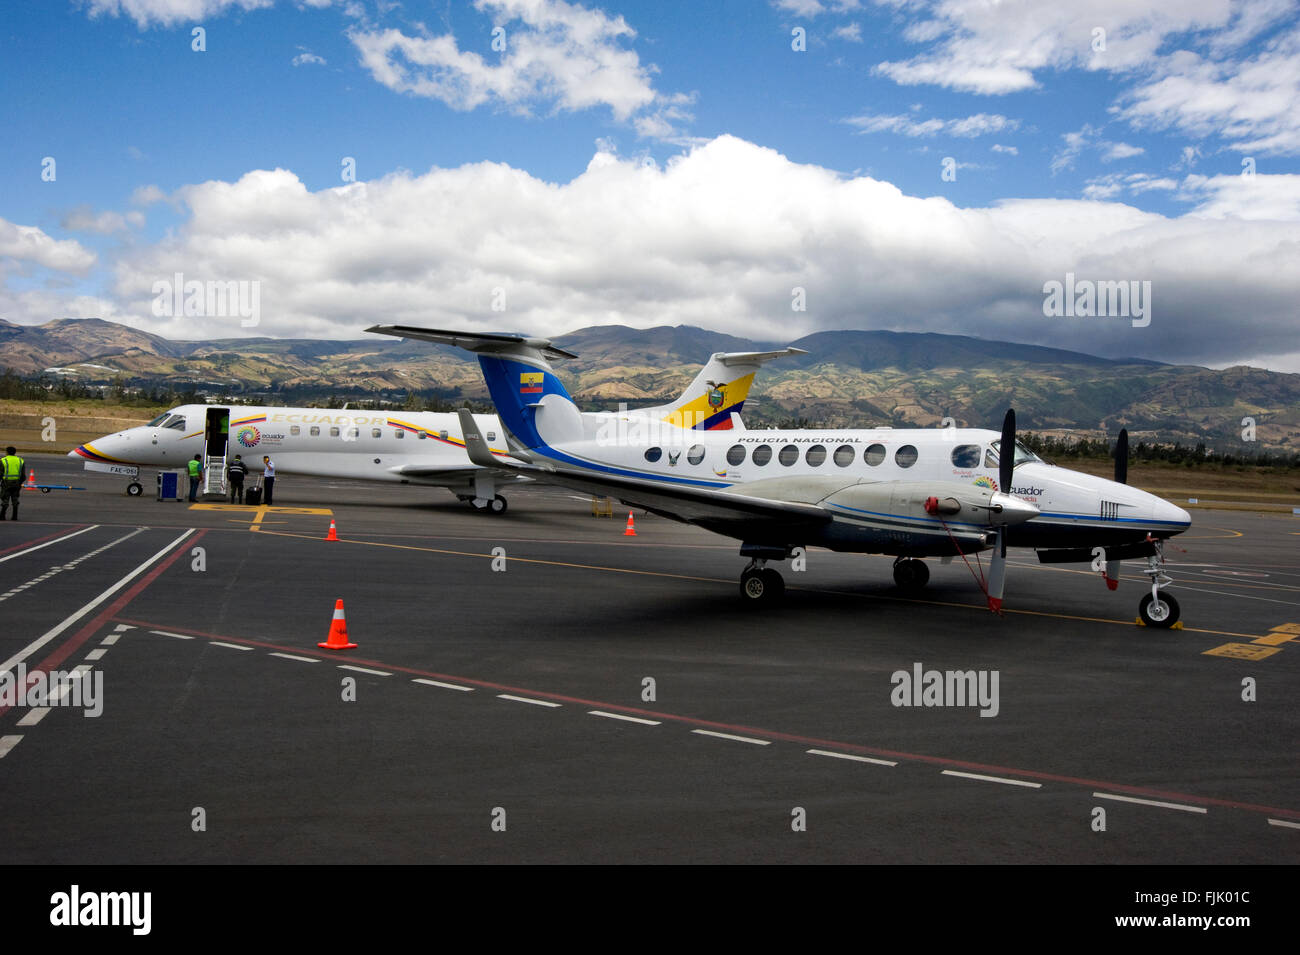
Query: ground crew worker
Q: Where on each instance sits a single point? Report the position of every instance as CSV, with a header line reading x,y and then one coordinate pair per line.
x,y
236,473
196,472
268,471
13,472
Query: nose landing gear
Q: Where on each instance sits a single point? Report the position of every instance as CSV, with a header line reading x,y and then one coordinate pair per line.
x,y
1157,609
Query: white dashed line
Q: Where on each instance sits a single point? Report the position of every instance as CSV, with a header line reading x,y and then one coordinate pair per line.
x,y
122,628
344,666
445,686
1283,822
96,653
856,759
993,779
228,646
290,656
81,669
111,639
34,716
524,699
7,743
620,716
1151,802
738,739
168,633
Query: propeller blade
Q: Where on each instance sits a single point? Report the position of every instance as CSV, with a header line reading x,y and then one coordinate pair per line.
x,y
1007,452
1121,457
998,573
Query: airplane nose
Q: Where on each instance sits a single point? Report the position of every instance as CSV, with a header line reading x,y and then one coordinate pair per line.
x,y
1172,516
1014,510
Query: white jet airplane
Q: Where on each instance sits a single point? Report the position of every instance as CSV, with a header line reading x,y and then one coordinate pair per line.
x,y
908,493
399,447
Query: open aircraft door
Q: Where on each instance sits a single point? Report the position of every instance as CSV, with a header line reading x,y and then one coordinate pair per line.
x,y
216,445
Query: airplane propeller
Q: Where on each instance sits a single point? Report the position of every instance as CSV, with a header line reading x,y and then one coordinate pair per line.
x,y
1121,457
1006,468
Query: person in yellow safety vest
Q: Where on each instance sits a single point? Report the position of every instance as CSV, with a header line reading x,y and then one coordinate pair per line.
x,y
196,472
13,472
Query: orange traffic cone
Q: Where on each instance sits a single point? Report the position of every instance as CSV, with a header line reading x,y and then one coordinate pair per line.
x,y
333,535
631,528
338,638
31,478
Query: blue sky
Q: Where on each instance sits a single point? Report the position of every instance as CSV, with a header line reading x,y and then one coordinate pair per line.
x,y
917,166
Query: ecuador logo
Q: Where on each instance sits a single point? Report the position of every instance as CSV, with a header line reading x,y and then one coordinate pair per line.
x,y
987,482
716,395
530,383
249,437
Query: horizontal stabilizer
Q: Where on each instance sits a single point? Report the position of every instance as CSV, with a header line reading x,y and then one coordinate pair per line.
x,y
479,342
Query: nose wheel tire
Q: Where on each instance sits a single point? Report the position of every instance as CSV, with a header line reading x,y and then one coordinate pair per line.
x,y
497,505
135,489
1161,612
911,574
761,586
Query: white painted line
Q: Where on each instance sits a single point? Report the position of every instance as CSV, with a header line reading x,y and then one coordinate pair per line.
x,y
1283,822
122,628
232,646
993,779
57,540
1151,802
59,692
168,633
445,686
620,716
290,656
49,635
739,739
111,639
856,759
96,653
7,743
34,716
81,670
344,666
524,699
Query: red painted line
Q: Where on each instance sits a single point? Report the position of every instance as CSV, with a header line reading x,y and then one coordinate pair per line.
x,y
740,728
73,643
68,529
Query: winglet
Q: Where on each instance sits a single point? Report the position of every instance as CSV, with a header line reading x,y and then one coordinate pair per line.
x,y
475,445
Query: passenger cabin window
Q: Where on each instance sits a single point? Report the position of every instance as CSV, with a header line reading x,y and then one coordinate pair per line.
x,y
295,430
491,435
424,435
966,456
905,456
315,431
762,454
334,432
653,454
354,432
789,454
376,432
398,433
736,455
874,455
844,455
815,456
696,454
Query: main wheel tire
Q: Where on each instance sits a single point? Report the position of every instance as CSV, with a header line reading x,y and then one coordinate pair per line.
x,y
775,583
497,505
911,574
1162,613
135,489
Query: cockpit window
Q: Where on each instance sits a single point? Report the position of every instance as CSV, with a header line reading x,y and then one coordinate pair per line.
x,y
158,420
176,421
1023,454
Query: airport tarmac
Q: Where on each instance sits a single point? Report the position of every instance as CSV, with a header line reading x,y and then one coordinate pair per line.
x,y
539,687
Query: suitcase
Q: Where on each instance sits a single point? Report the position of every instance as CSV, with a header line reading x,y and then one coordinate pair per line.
x,y
253,496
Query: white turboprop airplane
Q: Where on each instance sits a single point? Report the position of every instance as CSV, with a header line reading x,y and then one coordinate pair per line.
x,y
401,447
908,493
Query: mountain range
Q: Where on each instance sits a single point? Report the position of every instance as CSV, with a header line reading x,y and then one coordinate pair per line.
x,y
848,378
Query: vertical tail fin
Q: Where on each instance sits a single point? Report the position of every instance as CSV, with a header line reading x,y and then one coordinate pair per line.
x,y
718,391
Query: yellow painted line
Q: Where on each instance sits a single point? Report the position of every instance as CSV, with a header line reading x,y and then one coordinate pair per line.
x,y
1285,628
1228,534
1242,651
260,509
1274,639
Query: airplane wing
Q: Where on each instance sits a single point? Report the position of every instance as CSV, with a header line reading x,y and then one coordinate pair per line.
x,y
443,471
728,512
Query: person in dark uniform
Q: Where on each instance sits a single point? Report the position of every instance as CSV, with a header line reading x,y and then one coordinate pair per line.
x,y
268,473
195,468
13,472
235,474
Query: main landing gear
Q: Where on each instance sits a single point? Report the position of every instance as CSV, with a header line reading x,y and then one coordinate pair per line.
x,y
492,505
760,585
1157,609
910,574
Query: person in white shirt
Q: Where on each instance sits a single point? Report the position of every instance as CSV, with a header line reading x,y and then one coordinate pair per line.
x,y
268,472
